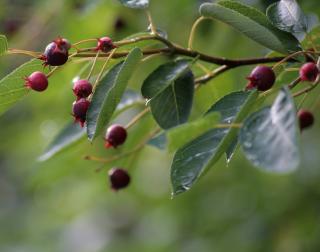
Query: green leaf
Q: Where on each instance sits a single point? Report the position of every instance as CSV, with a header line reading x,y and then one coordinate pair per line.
x,y
12,87
72,133
287,15
109,92
269,137
193,159
129,99
3,44
172,106
162,77
69,135
136,4
252,23
180,135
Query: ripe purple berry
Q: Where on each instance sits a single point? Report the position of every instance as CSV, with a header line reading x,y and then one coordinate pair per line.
x,y
309,72
306,118
119,178
79,110
82,88
37,81
54,55
261,77
105,44
116,135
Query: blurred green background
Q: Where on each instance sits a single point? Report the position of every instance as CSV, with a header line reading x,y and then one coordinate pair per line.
x,y
64,205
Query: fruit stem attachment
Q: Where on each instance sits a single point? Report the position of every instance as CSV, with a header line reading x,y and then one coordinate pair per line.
x,y
103,68
25,52
294,83
93,65
285,59
205,78
52,71
305,90
84,41
125,154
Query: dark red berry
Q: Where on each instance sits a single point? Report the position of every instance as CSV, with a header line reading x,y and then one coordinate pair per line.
x,y
82,88
105,44
306,118
62,43
261,77
79,110
37,81
116,135
54,55
309,72
119,178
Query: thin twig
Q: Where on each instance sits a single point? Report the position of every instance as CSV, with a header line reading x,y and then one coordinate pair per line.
x,y
102,69
137,118
93,65
213,74
294,83
152,25
192,32
125,154
84,41
305,90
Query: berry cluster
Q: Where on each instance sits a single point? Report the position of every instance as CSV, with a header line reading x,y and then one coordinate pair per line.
x,y
81,89
263,78
56,53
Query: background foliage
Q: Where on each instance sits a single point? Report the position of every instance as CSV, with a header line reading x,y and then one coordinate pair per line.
x,y
63,205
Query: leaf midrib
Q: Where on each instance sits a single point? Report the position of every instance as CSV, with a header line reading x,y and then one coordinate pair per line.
x,y
258,23
106,98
